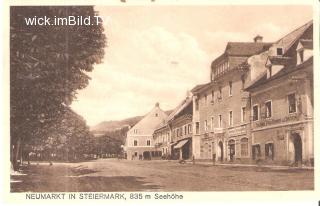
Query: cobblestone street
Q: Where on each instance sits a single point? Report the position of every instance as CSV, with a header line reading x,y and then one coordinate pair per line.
x,y
106,175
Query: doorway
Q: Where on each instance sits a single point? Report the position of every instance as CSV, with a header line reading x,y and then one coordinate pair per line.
x,y
232,149
297,143
221,151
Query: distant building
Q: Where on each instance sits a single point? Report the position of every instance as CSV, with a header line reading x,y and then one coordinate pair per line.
x,y
162,138
282,101
139,142
221,110
174,136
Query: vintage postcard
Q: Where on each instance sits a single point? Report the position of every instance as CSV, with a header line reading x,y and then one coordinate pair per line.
x,y
155,100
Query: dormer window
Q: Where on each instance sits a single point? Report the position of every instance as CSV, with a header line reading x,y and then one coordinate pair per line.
x,y
269,72
304,50
279,51
301,55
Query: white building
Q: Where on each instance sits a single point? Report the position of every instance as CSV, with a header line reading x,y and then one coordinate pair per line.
x,y
139,143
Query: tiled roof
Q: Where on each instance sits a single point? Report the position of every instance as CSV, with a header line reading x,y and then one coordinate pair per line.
x,y
183,104
263,78
246,48
287,41
198,87
307,43
280,60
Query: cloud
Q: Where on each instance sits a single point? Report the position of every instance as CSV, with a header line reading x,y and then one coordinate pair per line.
x,y
142,67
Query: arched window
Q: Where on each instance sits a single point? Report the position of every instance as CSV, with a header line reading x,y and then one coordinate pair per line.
x,y
244,147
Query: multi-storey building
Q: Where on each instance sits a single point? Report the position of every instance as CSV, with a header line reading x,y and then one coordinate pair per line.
x,y
162,138
139,142
181,124
282,100
174,136
221,111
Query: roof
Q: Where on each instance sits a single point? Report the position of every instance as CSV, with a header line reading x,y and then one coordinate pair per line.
x,y
262,79
198,87
246,48
288,40
183,104
149,122
162,124
307,43
279,60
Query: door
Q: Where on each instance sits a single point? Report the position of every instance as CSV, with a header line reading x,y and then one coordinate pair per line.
x,y
297,148
221,151
232,149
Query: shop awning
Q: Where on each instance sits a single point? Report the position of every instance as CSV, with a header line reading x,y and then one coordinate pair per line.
x,y
180,144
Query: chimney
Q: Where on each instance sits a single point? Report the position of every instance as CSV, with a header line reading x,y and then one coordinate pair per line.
x,y
157,104
258,39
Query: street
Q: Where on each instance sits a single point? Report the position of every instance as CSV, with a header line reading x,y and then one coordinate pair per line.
x,y
106,175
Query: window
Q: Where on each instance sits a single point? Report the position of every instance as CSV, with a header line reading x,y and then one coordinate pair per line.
x,y
269,72
197,104
256,152
230,88
255,112
292,103
205,99
269,151
279,51
197,127
185,130
135,143
244,147
156,114
301,56
212,97
268,109
135,131
189,128
220,120
148,142
243,81
230,118
243,114
212,123
205,125
136,154
181,132
220,93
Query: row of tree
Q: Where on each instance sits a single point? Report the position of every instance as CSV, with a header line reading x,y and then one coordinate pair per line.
x,y
48,65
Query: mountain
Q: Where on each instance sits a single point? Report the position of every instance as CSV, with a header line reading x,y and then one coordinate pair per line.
x,y
109,126
114,125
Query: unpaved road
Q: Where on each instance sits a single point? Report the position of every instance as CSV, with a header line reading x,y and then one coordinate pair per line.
x,y
106,175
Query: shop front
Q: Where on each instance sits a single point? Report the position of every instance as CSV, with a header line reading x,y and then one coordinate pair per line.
x,y
285,144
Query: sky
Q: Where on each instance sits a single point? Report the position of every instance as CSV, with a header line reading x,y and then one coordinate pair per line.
x,y
158,53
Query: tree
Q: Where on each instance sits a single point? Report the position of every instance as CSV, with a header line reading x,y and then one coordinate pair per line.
x,y
48,64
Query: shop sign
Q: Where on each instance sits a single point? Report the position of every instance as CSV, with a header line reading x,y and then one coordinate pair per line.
x,y
218,130
268,122
236,131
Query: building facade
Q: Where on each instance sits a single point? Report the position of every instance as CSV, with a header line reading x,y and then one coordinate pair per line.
x,y
174,137
282,102
162,139
139,142
222,107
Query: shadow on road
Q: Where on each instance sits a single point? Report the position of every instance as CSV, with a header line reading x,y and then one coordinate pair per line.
x,y
74,179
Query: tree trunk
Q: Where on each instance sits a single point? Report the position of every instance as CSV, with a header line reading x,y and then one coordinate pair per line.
x,y
15,154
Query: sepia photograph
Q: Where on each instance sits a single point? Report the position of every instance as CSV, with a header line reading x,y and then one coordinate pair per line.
x,y
161,98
